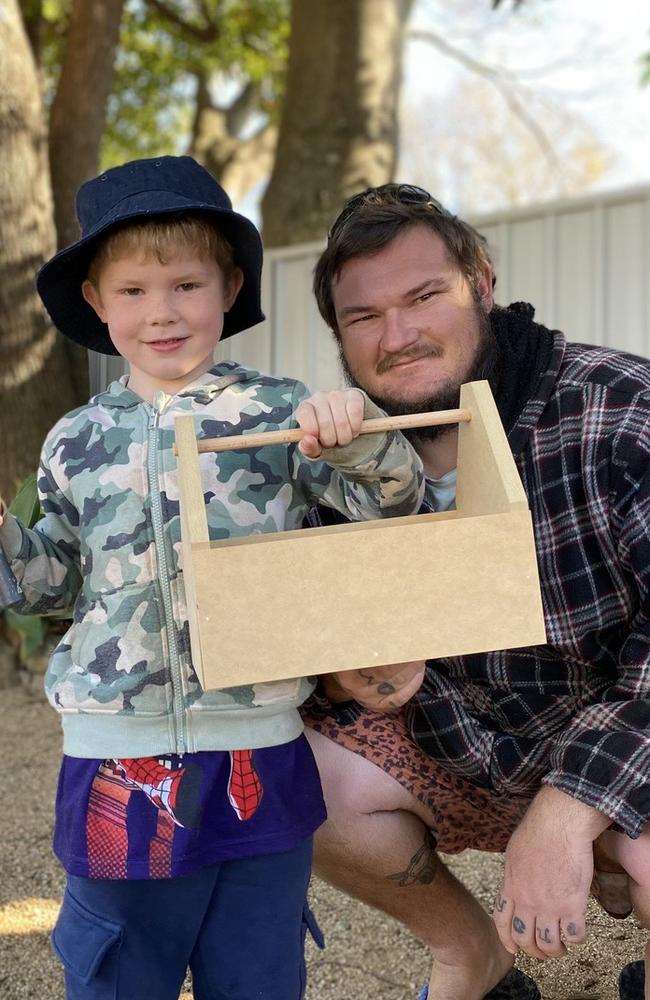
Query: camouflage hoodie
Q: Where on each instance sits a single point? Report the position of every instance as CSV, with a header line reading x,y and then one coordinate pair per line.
x,y
108,546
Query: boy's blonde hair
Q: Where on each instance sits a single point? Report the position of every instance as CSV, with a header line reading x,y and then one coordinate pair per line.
x,y
165,237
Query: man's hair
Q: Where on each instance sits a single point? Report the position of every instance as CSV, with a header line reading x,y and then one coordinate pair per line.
x,y
164,237
371,220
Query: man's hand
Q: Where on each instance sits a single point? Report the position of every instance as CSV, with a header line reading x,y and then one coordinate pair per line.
x,y
548,871
383,689
329,420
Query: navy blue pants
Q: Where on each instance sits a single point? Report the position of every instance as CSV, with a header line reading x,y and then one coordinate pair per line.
x,y
240,927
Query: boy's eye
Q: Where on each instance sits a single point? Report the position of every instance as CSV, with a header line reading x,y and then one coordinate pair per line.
x,y
188,286
131,291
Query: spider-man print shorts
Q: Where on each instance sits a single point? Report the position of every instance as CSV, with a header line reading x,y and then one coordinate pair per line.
x,y
239,927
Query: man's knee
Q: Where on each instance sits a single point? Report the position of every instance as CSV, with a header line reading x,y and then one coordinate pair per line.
x,y
634,858
355,786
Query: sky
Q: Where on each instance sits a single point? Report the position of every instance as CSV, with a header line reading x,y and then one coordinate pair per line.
x,y
576,71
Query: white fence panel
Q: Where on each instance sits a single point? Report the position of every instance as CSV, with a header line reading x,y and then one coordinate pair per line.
x,y
583,263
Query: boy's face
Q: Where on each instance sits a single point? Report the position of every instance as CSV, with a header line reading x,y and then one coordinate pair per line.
x,y
164,319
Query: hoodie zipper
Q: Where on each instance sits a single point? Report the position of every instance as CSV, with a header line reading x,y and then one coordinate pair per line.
x,y
163,579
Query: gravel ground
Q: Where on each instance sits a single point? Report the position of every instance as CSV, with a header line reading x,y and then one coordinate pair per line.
x,y
367,954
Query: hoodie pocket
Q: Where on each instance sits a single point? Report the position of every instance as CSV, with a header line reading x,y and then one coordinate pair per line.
x,y
113,659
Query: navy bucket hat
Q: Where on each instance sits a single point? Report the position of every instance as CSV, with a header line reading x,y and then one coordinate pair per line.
x,y
141,189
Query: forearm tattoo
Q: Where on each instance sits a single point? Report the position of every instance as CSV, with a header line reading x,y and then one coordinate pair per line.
x,y
422,867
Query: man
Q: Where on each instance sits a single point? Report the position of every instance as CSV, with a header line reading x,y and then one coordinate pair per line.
x,y
542,752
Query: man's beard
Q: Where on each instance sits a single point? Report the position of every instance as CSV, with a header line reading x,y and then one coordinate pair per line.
x,y
484,365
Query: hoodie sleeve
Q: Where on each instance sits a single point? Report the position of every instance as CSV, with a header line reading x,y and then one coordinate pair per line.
x,y
376,475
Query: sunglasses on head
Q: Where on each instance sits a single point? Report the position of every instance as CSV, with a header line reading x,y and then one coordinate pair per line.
x,y
407,194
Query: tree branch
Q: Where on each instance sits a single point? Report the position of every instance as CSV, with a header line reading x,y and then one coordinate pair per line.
x,y
208,33
503,81
246,102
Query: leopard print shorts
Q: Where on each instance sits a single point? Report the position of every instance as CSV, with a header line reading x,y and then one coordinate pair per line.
x,y
463,815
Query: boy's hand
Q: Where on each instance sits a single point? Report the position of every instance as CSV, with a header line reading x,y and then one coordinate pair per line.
x,y
329,420
382,689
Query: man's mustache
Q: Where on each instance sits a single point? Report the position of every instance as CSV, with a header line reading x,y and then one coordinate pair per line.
x,y
414,354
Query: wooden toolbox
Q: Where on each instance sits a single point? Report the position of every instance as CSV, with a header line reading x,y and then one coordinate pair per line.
x,y
283,605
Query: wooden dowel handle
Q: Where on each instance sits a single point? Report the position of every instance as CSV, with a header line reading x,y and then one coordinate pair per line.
x,y
377,424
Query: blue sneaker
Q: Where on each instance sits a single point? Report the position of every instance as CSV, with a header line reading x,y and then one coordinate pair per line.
x,y
518,986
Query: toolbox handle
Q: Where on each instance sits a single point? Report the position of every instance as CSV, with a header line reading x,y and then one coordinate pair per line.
x,y
378,424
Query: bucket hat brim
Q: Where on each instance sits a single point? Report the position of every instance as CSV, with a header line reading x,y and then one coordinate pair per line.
x,y
59,280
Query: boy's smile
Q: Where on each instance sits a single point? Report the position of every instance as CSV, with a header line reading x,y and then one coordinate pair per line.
x,y
164,319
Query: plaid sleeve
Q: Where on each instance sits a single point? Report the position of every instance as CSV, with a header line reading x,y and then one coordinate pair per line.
x,y
603,757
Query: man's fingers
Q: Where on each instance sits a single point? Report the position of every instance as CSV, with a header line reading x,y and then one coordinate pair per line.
x,y
523,933
400,673
383,688
402,692
574,931
540,936
547,937
502,914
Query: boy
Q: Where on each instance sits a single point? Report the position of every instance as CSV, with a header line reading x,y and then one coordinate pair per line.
x,y
184,818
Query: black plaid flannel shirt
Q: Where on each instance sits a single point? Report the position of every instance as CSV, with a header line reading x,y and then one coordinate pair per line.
x,y
575,713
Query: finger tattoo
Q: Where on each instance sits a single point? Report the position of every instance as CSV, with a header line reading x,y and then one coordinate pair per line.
x,y
500,904
386,688
572,930
518,926
544,935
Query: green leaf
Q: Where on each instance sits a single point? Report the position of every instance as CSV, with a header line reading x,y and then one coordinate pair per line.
x,y
645,69
31,629
25,505
231,42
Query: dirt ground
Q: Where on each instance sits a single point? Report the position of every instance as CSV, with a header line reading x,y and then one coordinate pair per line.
x,y
367,954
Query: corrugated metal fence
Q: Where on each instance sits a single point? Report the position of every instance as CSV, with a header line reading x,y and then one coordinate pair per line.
x,y
583,263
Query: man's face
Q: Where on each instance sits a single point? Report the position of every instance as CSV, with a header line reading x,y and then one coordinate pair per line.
x,y
412,329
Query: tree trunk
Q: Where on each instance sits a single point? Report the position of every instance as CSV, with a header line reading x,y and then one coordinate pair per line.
x,y
35,383
78,112
338,132
77,120
238,164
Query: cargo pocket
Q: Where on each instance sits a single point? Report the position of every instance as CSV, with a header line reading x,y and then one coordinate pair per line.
x,y
309,924
88,946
